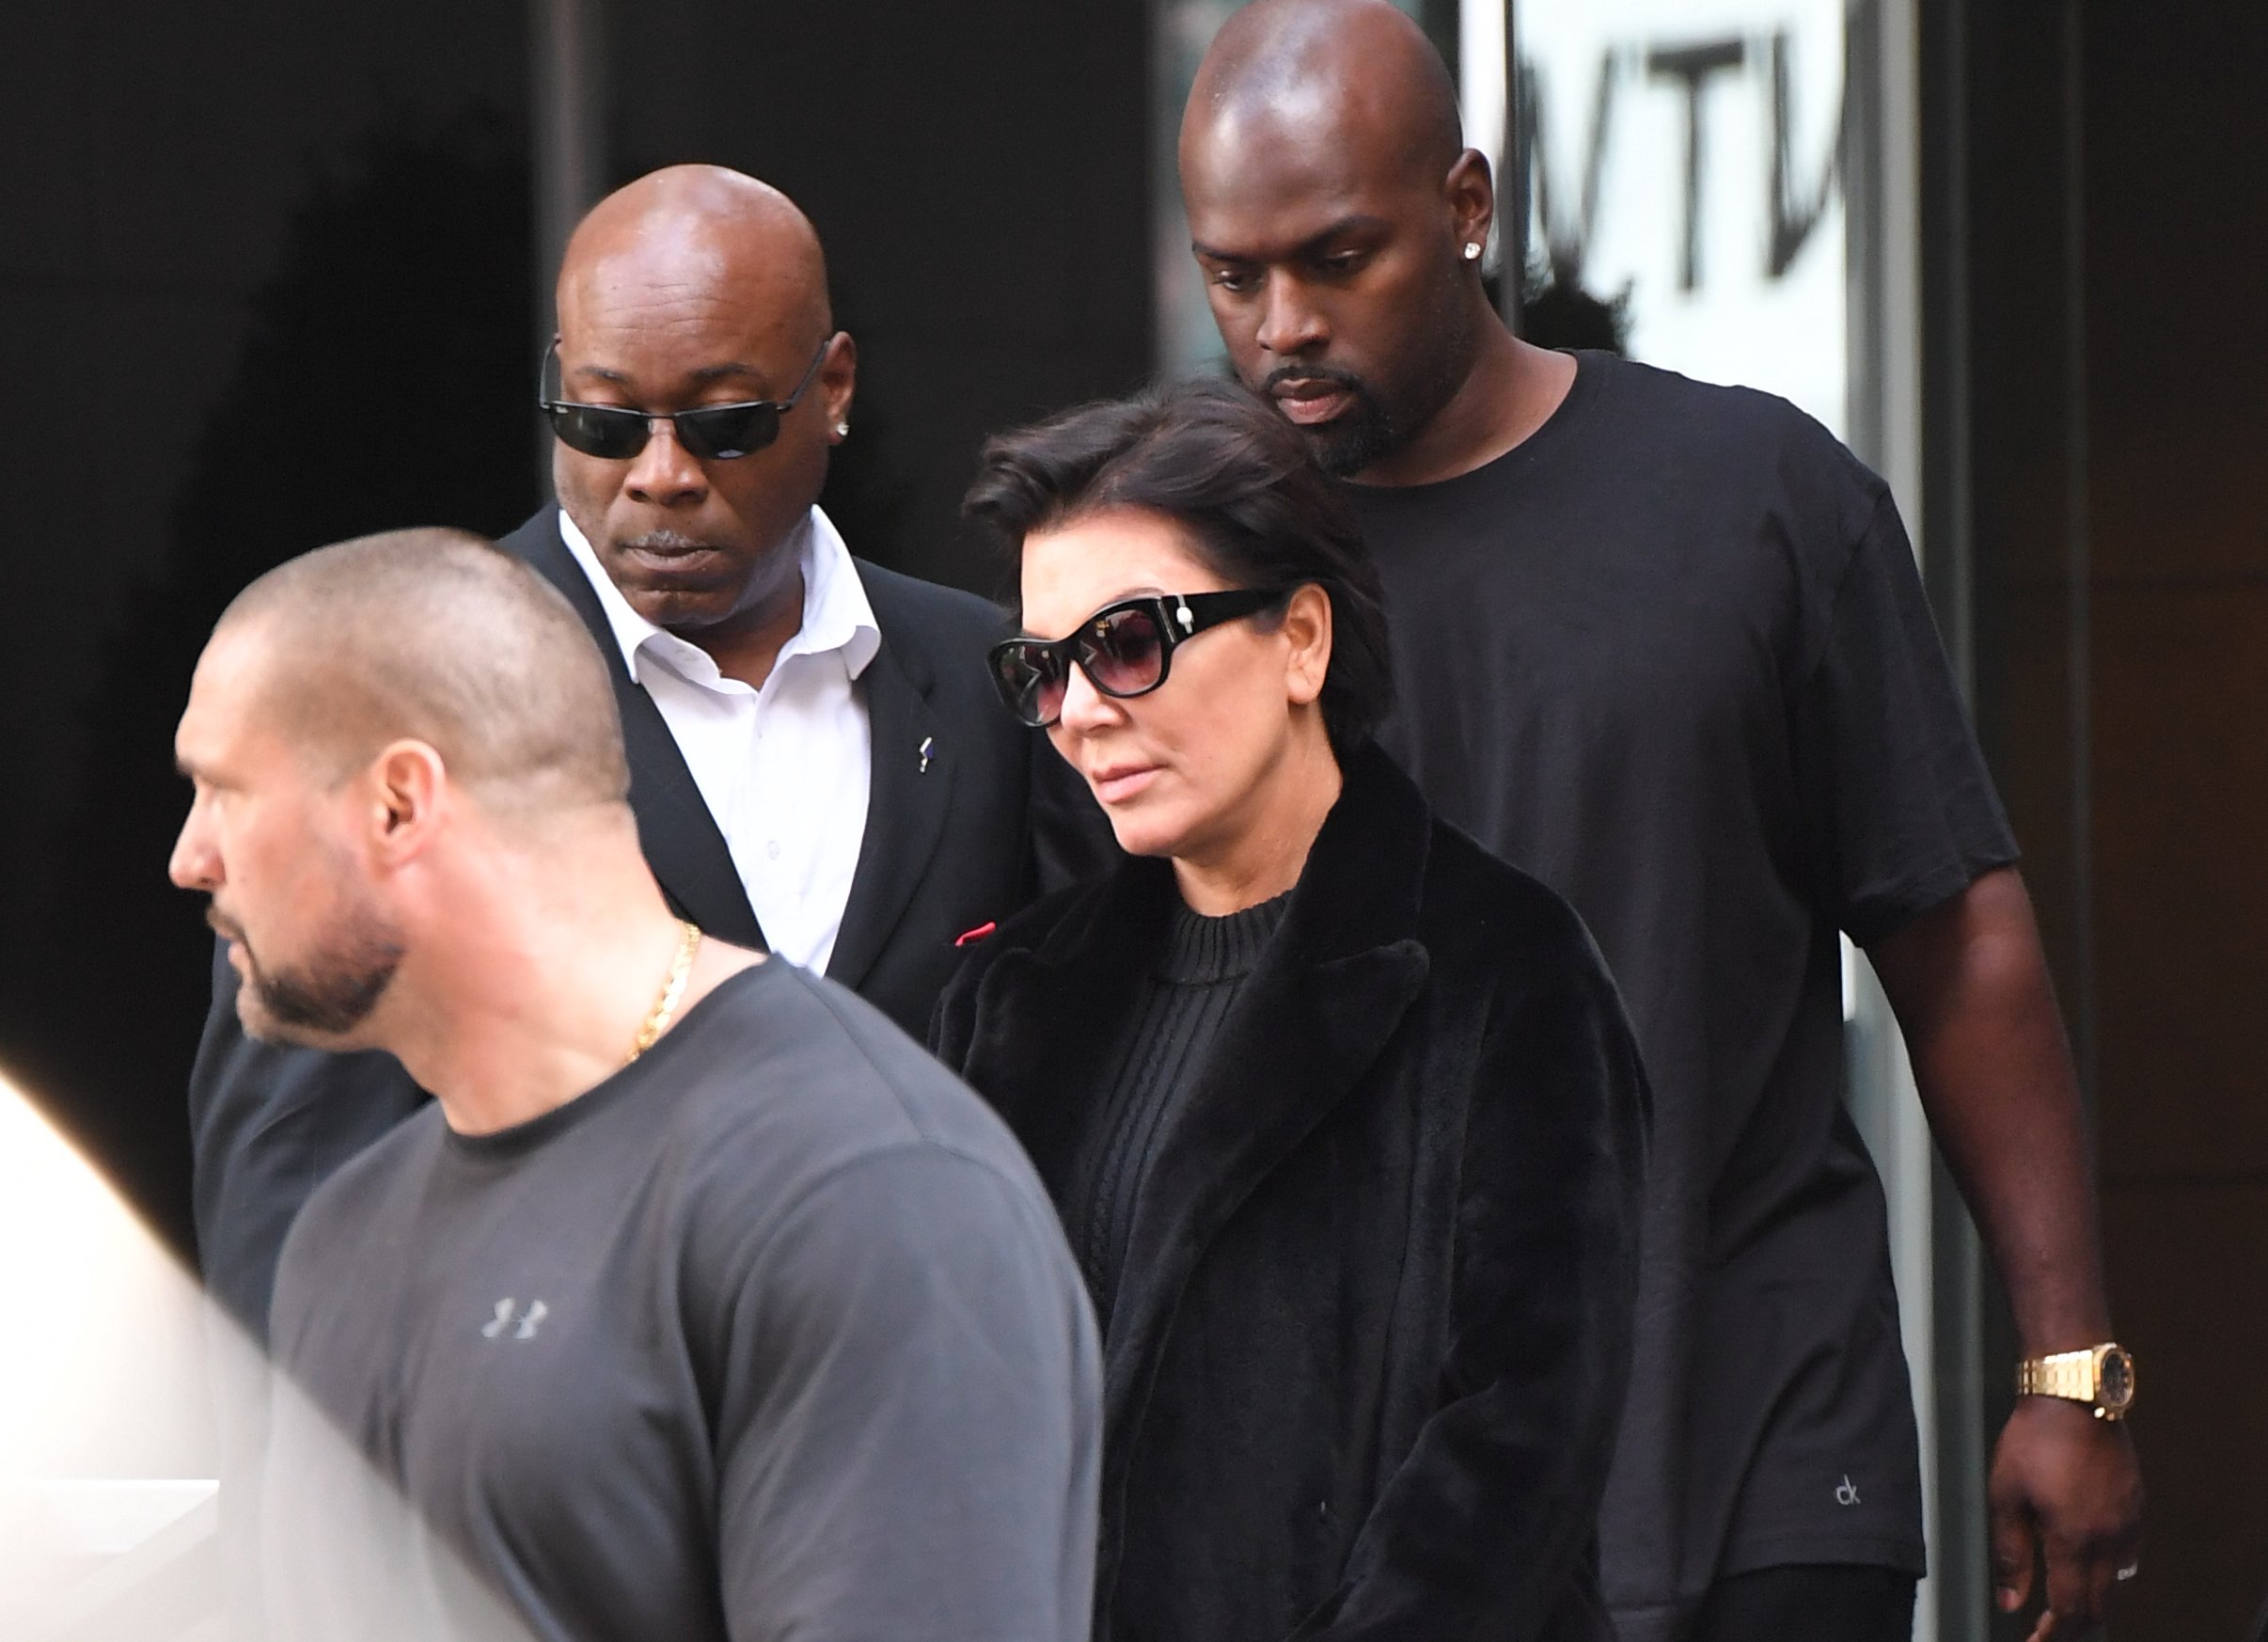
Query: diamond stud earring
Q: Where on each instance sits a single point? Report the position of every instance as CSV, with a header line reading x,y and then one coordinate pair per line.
x,y
842,430
1471,252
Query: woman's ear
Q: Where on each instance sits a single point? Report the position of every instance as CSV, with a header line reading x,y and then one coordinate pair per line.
x,y
1306,629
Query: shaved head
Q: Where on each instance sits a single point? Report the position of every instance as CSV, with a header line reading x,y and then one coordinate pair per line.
x,y
439,637
1338,221
698,229
1331,69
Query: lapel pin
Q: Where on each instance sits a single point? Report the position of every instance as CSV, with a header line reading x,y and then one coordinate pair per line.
x,y
927,743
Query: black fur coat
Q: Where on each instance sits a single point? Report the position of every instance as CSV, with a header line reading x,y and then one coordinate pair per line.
x,y
1375,1318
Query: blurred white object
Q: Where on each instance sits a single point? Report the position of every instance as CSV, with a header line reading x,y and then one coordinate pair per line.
x,y
107,1448
110,1523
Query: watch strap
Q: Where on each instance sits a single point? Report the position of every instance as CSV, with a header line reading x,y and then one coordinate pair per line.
x,y
2102,1377
2066,1374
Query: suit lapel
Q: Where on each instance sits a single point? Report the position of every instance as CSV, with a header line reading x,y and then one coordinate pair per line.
x,y
910,791
681,839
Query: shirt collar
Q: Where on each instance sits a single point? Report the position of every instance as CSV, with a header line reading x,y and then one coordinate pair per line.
x,y
837,614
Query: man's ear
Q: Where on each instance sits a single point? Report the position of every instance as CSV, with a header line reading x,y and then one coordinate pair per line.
x,y
402,791
1471,191
1306,625
838,379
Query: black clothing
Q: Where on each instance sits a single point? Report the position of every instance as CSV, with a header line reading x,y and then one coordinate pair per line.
x,y
1809,1602
1671,654
968,811
1375,1317
771,1333
1185,998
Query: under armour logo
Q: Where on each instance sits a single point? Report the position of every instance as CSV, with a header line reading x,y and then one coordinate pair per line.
x,y
1846,1494
494,1328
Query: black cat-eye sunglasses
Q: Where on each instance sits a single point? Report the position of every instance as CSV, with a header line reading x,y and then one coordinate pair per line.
x,y
1124,649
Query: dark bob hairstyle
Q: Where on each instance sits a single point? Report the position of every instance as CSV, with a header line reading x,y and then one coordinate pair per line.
x,y
1238,479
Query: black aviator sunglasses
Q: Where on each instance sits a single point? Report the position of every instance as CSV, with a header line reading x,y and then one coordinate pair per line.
x,y
719,433
1124,649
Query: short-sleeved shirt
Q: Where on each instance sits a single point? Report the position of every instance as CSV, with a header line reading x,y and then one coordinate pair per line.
x,y
773,1334
1671,654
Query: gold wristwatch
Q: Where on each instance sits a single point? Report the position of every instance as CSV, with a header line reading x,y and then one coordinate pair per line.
x,y
2102,1377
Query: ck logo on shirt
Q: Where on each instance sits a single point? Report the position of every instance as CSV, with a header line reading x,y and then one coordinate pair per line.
x,y
1846,1494
496,1327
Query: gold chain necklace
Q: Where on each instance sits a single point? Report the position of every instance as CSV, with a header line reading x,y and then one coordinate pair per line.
x,y
657,1018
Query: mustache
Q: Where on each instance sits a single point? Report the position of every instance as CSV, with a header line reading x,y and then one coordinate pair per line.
x,y
1330,374
223,925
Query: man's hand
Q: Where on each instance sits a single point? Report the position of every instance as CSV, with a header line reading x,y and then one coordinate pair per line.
x,y
1971,990
2065,1486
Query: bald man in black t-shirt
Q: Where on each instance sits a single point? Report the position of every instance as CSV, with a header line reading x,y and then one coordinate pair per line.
x,y
1664,646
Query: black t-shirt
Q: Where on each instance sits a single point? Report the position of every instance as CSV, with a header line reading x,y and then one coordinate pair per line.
x,y
1671,654
772,1334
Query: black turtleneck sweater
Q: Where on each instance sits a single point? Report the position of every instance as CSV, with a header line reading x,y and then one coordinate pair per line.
x,y
1190,988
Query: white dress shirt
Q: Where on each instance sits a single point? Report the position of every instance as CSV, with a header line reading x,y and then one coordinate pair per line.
x,y
785,769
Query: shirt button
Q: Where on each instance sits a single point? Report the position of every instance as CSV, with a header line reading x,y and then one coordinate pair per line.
x,y
772,850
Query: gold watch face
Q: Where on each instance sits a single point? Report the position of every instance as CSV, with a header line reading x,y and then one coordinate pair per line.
x,y
2115,1380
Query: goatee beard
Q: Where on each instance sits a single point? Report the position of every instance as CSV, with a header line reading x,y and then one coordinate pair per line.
x,y
1365,435
328,995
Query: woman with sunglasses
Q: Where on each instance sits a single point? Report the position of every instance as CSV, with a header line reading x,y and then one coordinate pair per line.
x,y
1341,1113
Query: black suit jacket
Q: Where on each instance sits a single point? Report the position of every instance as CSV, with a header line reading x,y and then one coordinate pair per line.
x,y
969,815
